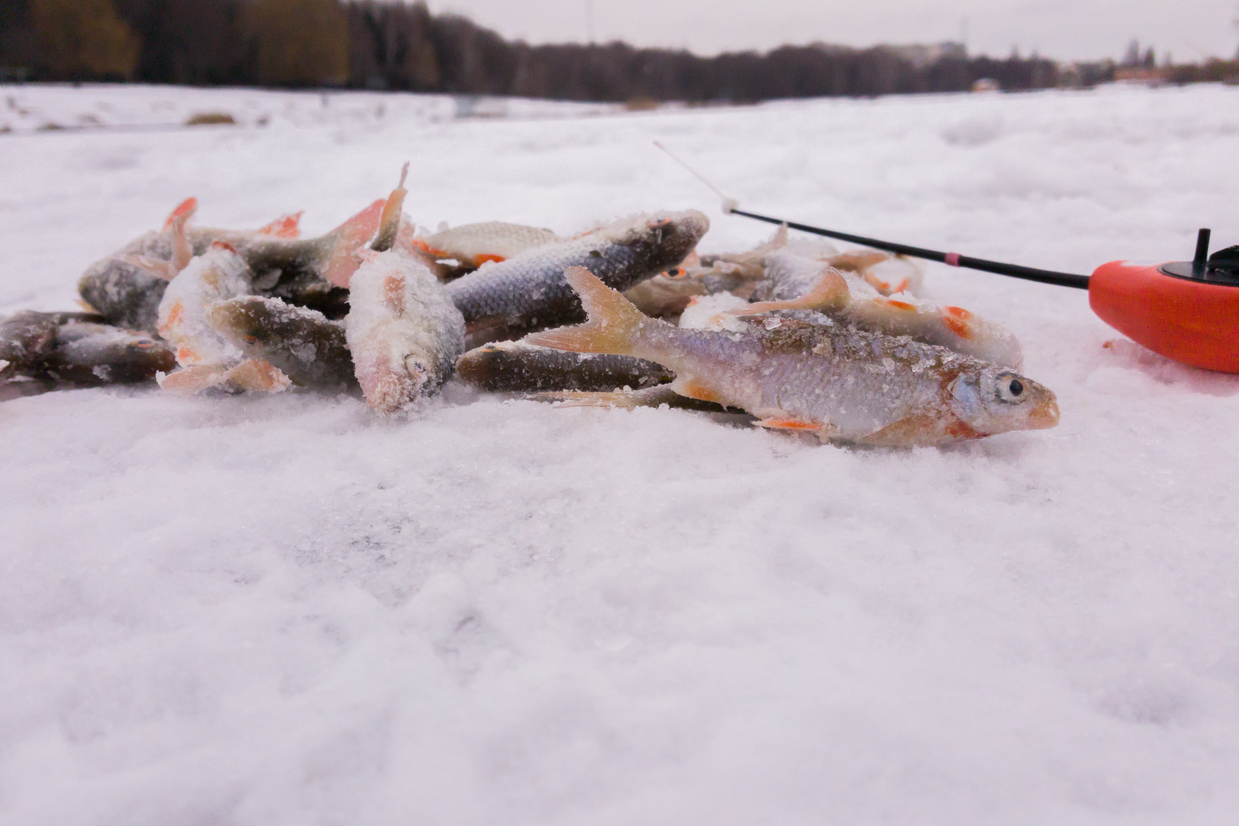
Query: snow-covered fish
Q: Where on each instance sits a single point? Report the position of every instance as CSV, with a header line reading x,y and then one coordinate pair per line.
x,y
797,283
476,244
216,275
529,292
402,329
516,367
304,344
26,339
90,354
834,381
127,286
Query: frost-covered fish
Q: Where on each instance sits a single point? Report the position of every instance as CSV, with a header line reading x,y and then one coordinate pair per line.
x,y
795,282
26,339
403,330
216,275
516,367
529,292
127,286
476,244
834,381
97,354
304,344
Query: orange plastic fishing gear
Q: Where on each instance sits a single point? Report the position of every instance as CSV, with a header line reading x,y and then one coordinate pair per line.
x,y
1190,321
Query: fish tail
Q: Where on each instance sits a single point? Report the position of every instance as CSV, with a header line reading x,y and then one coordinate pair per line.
x,y
182,213
613,325
389,222
343,242
286,226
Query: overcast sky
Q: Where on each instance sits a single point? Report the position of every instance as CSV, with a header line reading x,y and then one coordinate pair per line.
x,y
1062,29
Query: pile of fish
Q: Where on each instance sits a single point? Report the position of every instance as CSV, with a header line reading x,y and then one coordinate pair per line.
x,y
795,335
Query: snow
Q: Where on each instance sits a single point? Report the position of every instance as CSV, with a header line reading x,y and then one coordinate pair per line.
x,y
289,610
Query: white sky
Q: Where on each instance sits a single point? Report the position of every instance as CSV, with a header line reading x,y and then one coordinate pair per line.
x,y
1062,29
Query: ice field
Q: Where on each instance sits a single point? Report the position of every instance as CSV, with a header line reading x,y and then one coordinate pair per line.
x,y
288,610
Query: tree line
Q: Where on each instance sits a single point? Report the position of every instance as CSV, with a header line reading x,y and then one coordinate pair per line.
x,y
402,46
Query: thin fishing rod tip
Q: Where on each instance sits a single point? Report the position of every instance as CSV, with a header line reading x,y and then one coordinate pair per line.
x,y
729,204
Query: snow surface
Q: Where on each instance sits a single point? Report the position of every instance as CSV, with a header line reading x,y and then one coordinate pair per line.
x,y
287,610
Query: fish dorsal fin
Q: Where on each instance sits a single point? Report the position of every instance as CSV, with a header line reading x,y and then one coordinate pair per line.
x,y
286,226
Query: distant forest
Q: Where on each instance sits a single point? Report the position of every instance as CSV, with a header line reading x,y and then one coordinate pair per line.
x,y
366,44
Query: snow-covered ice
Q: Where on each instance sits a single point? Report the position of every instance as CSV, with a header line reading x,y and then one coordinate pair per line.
x,y
287,610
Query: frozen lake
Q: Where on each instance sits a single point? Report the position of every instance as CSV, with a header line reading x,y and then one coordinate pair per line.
x,y
286,610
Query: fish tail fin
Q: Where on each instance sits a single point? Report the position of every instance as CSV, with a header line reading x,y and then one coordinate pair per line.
x,y
389,222
342,243
182,213
286,226
181,250
613,324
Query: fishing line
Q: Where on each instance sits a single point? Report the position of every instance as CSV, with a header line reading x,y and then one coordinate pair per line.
x,y
953,259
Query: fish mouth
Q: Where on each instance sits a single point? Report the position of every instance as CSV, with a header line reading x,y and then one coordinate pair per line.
x,y
1044,415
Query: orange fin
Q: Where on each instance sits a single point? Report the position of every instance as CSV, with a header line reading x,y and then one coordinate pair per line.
x,y
486,258
958,321
259,376
776,423
286,226
614,321
182,213
389,223
695,390
346,240
192,379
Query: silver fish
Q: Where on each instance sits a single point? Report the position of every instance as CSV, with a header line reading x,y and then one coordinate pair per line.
x,y
304,344
795,282
529,292
514,367
476,244
836,382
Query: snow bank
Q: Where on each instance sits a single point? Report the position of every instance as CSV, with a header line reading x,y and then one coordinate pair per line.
x,y
288,610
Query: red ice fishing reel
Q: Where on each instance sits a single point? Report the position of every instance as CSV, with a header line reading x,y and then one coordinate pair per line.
x,y
1187,311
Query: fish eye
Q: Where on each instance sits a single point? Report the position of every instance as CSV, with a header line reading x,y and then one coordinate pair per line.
x,y
250,339
1010,388
144,344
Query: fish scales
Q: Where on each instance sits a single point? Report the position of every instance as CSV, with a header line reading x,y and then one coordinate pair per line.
x,y
529,291
836,381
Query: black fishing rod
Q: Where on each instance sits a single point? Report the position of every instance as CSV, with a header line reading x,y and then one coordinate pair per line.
x,y
1186,310
954,259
